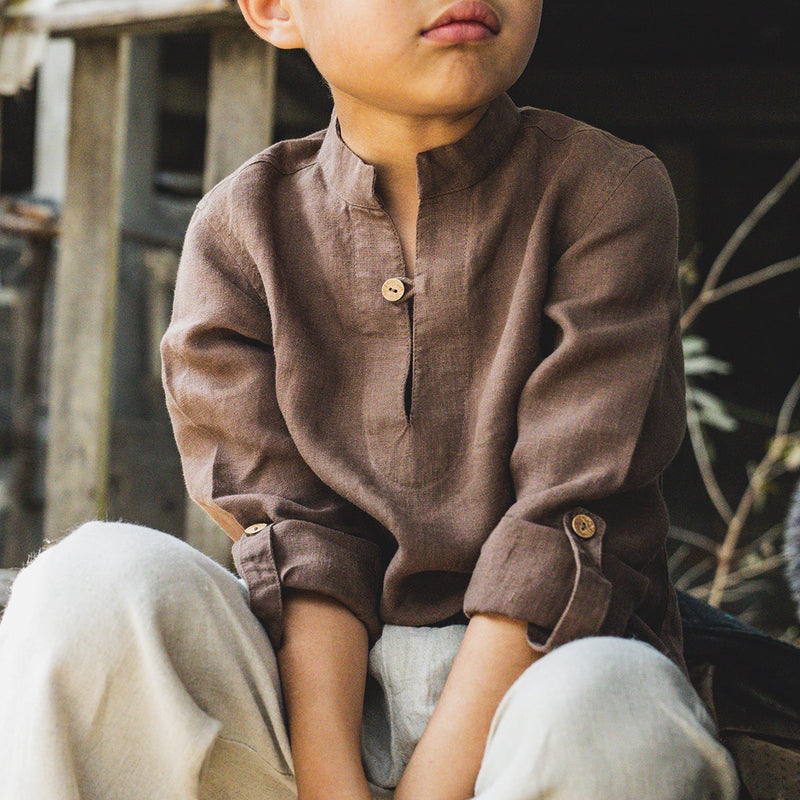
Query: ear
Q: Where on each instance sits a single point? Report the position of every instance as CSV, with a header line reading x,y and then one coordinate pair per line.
x,y
272,22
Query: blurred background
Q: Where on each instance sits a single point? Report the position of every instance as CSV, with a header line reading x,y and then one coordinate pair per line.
x,y
118,114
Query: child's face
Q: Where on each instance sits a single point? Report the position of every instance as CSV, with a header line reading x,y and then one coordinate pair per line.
x,y
395,55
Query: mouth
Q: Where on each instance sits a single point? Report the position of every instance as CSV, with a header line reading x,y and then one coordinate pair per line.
x,y
465,21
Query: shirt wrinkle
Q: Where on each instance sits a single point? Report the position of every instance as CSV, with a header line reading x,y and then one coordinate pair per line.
x,y
226,239
379,505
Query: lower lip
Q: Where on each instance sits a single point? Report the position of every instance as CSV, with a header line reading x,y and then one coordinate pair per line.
x,y
458,32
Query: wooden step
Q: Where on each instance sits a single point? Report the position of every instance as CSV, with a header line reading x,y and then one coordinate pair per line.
x,y
7,577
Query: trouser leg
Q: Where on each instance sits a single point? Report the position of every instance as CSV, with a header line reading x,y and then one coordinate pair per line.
x,y
131,667
604,718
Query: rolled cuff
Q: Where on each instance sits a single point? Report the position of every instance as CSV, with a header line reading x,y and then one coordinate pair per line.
x,y
301,555
545,575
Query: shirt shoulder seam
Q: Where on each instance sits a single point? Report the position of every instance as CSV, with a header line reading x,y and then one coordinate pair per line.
x,y
227,240
578,127
254,162
613,192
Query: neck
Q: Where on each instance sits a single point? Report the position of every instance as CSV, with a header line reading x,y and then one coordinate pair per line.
x,y
390,141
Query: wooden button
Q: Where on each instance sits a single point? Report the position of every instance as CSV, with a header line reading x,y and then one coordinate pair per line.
x,y
393,290
252,530
584,526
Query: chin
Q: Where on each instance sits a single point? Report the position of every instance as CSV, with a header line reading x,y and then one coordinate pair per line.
x,y
455,97
454,102
467,90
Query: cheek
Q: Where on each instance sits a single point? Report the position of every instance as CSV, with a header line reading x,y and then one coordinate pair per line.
x,y
353,56
534,21
518,53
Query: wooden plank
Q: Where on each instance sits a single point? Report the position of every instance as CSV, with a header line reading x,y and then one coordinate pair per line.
x,y
205,535
241,119
154,27
22,515
145,475
241,102
52,121
75,17
7,578
85,288
142,133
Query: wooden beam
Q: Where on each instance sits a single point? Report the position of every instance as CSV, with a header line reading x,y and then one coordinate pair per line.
x,y
52,120
85,288
142,129
241,120
241,101
101,17
38,225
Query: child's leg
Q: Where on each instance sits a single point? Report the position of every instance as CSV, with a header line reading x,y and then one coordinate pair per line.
x,y
604,718
131,667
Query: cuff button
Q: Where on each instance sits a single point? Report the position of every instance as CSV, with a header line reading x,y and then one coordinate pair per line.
x,y
583,526
252,530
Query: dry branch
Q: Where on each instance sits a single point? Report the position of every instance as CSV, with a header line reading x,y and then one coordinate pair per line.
x,y
706,294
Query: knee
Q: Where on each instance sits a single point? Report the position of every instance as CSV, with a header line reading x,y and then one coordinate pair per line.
x,y
603,681
603,667
92,565
611,700
99,580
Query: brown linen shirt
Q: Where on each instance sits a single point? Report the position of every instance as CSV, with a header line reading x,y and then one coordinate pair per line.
x,y
493,441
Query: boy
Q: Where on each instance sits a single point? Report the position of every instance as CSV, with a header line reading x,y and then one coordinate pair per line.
x,y
424,368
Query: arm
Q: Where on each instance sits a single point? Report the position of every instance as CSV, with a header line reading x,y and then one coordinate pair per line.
x,y
239,459
598,420
242,466
493,654
323,664
601,415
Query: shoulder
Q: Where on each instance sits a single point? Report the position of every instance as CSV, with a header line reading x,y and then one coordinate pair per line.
x,y
577,149
256,184
587,171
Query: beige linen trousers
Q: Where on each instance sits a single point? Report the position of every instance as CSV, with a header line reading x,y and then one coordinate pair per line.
x,y
131,668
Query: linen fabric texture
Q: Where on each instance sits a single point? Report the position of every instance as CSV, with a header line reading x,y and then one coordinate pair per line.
x,y
132,667
424,460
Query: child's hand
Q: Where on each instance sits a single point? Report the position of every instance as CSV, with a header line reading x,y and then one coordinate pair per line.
x,y
323,665
493,654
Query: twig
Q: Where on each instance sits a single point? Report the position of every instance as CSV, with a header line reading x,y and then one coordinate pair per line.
x,y
732,245
753,279
693,538
754,570
791,636
676,560
787,409
762,472
703,460
769,536
704,589
741,590
728,546
693,573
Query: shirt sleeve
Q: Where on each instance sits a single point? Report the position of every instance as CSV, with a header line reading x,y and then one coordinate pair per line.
x,y
598,421
239,460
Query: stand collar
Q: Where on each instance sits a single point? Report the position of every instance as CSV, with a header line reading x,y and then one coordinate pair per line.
x,y
442,170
